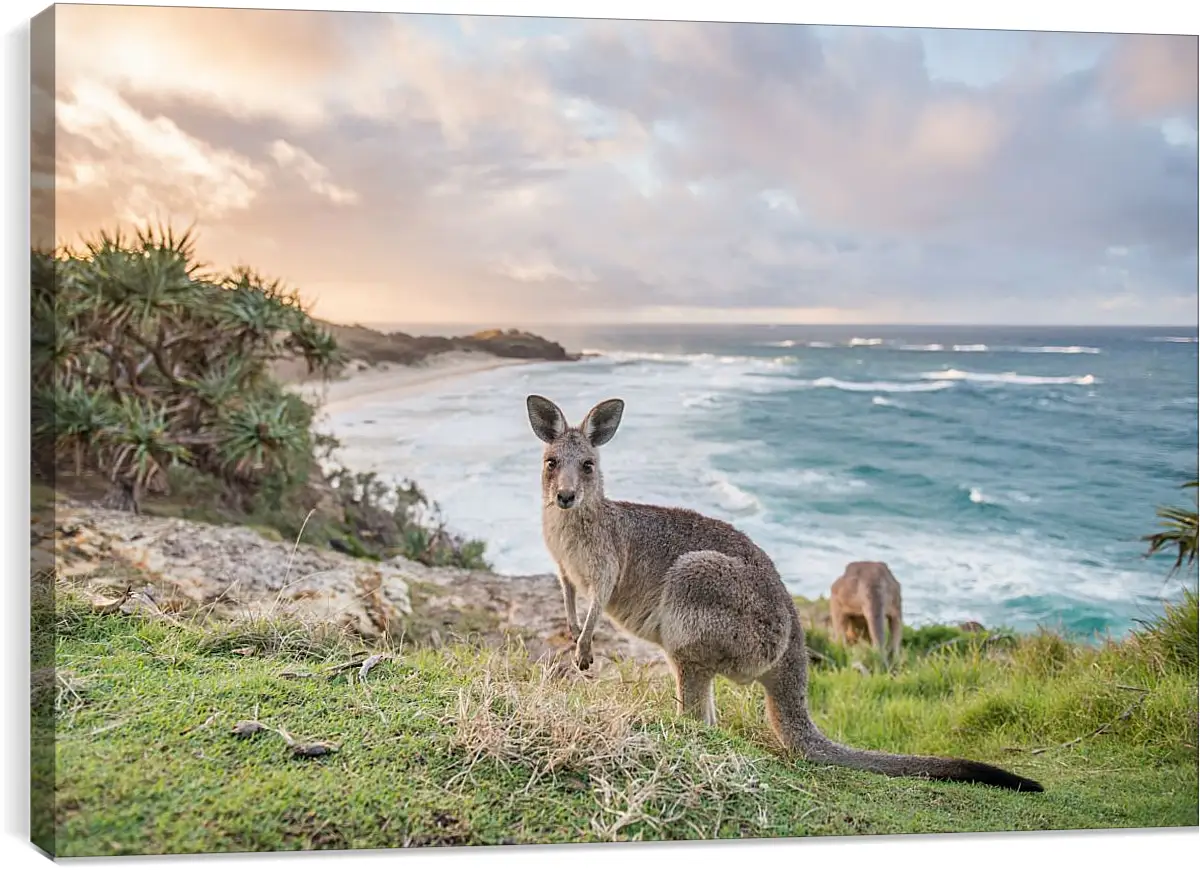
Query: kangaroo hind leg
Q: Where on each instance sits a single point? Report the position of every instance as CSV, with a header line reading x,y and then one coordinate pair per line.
x,y
694,693
895,635
877,626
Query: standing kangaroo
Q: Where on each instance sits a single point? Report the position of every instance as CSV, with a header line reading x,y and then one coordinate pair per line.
x,y
867,592
699,589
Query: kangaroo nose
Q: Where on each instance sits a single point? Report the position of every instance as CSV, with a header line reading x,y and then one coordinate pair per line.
x,y
566,499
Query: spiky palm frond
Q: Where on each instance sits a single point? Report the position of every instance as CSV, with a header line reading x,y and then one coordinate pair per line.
x,y
69,418
316,345
1179,532
222,382
255,318
57,347
262,436
140,442
147,281
43,274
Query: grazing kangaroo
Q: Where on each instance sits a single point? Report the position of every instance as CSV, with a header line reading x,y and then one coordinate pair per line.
x,y
698,588
867,593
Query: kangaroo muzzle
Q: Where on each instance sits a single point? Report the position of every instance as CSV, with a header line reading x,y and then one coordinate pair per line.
x,y
565,500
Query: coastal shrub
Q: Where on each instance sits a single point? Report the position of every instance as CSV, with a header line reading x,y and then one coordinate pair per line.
x,y
156,376
352,512
142,361
400,520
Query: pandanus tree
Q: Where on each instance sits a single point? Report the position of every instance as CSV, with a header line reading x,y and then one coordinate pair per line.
x,y
1178,531
142,360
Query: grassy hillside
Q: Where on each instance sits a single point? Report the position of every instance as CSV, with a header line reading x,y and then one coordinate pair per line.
x,y
466,745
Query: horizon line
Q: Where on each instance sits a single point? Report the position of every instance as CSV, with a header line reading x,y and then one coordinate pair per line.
x,y
534,324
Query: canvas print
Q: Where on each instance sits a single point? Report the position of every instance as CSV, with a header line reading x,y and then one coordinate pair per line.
x,y
480,430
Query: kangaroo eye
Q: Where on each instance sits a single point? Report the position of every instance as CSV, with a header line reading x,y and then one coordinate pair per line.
x,y
588,466
551,464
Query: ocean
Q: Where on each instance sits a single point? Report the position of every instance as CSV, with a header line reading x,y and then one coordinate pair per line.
x,y
1006,475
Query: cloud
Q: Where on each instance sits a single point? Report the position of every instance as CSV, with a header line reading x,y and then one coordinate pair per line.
x,y
1153,76
539,269
426,168
162,167
314,174
251,63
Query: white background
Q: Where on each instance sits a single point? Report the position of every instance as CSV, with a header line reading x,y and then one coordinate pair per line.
x,y
1088,849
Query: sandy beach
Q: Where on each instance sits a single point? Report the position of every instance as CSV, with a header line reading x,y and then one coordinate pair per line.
x,y
400,380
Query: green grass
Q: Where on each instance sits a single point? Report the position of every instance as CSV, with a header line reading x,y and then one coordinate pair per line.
x,y
468,746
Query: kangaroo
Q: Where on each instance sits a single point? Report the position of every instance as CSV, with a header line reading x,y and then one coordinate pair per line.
x,y
699,589
867,592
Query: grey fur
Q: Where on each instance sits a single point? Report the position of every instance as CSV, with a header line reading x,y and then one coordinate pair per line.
x,y
698,588
867,595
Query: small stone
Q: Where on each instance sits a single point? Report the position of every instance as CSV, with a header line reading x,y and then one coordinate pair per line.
x,y
248,728
313,750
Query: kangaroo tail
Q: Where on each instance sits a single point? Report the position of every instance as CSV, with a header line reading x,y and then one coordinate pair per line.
x,y
821,749
787,711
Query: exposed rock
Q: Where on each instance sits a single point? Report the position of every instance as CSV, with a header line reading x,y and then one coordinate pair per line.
x,y
227,570
369,347
493,607
234,571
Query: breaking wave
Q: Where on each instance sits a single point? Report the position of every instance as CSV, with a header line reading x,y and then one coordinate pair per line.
x,y
1005,378
878,386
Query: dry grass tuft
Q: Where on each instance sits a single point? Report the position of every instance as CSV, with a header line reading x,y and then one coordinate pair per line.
x,y
643,769
70,692
289,636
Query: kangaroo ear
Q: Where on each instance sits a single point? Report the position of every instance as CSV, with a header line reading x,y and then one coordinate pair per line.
x,y
545,417
601,423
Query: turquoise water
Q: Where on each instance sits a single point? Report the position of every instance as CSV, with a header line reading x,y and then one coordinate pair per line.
x,y
1006,475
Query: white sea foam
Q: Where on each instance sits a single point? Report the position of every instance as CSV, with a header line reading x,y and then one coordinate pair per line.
x,y
786,343
865,342
728,496
820,344
700,400
1005,378
1176,339
802,480
948,575
983,348
470,447
646,356
998,496
883,402
1051,349
701,360
827,482
877,386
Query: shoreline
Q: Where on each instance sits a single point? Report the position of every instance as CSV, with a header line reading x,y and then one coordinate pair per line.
x,y
400,380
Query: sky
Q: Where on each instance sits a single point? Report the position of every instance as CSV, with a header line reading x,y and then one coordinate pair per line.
x,y
423,168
